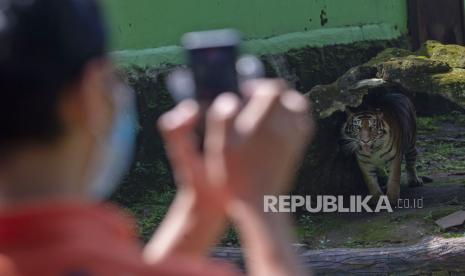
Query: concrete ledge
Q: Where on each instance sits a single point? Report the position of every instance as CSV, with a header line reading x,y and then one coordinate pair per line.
x,y
274,45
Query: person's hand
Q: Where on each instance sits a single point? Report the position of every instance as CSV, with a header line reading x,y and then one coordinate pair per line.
x,y
255,151
250,150
178,130
197,216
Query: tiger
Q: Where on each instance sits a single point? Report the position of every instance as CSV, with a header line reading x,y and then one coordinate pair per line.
x,y
380,134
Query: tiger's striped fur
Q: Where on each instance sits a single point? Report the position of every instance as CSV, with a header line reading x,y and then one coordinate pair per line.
x,y
381,133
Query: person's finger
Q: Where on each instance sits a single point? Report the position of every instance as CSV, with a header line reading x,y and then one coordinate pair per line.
x,y
299,107
220,120
177,128
249,87
220,135
295,102
180,118
265,98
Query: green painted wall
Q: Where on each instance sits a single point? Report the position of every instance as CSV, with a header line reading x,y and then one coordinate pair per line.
x,y
149,24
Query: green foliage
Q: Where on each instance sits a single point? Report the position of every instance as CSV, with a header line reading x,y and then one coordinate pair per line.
x,y
435,214
150,210
441,157
451,235
441,153
306,227
230,238
426,124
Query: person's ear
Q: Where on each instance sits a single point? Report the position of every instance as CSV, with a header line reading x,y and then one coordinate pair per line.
x,y
87,103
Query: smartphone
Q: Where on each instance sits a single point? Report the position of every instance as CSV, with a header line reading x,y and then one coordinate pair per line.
x,y
214,67
212,57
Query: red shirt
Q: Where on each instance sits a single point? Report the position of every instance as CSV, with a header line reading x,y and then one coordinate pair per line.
x,y
81,240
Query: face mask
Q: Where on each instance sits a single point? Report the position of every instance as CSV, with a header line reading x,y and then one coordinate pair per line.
x,y
117,152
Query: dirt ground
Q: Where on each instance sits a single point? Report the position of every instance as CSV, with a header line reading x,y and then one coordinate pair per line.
x,y
441,164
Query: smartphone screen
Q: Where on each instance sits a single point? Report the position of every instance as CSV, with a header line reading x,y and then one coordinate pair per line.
x,y
214,71
212,59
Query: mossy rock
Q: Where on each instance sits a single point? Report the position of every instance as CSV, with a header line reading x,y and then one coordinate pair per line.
x,y
347,91
432,77
454,55
388,54
410,66
411,72
450,85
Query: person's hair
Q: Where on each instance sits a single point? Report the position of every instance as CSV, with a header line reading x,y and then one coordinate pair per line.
x,y
44,46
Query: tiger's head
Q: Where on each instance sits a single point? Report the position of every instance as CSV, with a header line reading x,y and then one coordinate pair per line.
x,y
364,132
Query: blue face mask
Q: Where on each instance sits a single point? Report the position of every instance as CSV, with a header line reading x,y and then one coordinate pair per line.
x,y
118,152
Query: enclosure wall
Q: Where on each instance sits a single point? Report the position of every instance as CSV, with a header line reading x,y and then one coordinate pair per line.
x,y
146,32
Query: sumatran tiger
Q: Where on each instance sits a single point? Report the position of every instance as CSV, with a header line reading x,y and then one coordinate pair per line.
x,y
380,134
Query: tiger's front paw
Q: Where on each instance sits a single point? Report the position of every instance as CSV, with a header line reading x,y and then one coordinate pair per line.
x,y
393,196
374,199
415,182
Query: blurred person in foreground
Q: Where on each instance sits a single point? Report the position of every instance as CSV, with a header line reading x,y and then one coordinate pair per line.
x,y
66,136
